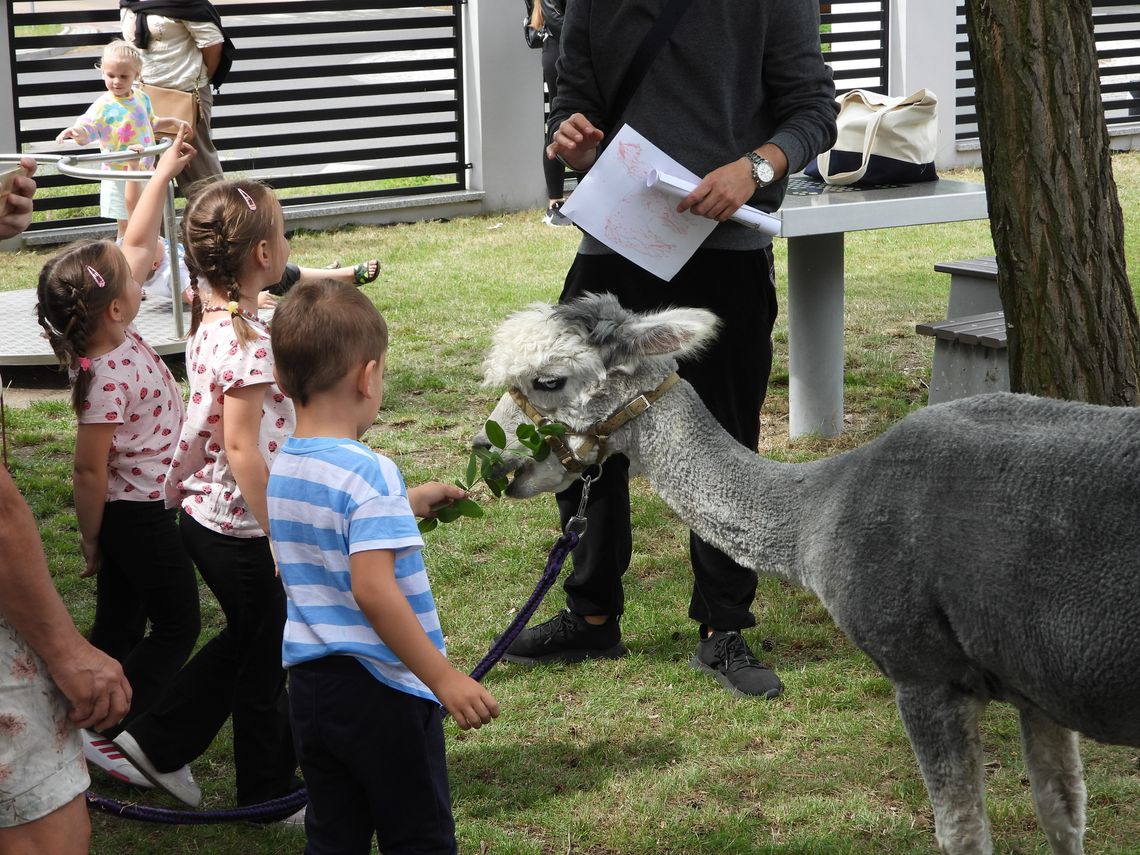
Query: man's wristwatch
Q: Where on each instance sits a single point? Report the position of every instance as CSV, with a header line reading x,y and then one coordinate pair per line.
x,y
763,172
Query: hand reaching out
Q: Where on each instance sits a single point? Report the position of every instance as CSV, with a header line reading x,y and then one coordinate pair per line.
x,y
430,495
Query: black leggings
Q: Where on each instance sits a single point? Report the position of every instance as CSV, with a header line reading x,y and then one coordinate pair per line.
x,y
237,672
552,170
146,577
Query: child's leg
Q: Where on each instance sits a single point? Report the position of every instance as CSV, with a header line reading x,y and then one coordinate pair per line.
x,y
241,573
354,731
120,619
141,539
325,696
181,726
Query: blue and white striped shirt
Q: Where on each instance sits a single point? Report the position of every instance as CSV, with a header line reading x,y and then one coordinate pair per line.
x,y
330,498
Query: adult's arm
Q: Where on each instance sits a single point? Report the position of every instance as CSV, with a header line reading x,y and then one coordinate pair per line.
x,y
799,88
578,91
211,56
90,680
18,206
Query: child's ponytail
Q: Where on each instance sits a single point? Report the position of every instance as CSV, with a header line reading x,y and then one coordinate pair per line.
x,y
74,290
220,230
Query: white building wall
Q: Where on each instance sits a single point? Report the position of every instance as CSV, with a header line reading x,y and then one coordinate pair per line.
x,y
504,127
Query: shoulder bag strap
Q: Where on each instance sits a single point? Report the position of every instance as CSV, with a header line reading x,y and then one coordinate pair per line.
x,y
650,45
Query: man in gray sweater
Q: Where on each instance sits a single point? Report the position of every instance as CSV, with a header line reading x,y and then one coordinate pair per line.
x,y
739,94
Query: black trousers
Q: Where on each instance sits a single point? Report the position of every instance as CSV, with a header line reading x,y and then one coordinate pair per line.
x,y
146,578
731,377
373,759
237,672
553,171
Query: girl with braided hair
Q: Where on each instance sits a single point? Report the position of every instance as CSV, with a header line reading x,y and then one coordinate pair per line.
x,y
129,410
236,418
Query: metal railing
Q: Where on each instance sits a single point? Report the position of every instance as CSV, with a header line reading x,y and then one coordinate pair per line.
x,y
327,100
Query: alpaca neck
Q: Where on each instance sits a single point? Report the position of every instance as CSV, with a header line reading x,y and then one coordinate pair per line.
x,y
751,508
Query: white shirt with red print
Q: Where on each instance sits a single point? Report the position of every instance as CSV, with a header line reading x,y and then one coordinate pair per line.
x,y
131,387
200,477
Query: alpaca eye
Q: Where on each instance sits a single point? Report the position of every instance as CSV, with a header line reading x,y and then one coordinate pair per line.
x,y
547,384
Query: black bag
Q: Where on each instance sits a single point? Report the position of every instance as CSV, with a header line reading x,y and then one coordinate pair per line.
x,y
534,38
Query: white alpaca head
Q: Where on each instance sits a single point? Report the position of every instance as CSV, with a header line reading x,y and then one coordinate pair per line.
x,y
577,364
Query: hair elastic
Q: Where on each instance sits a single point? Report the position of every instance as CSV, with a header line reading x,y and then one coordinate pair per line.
x,y
84,363
99,280
252,205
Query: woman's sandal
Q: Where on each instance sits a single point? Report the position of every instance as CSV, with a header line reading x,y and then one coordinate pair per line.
x,y
366,271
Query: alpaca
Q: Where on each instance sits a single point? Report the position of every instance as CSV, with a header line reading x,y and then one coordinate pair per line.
x,y
980,550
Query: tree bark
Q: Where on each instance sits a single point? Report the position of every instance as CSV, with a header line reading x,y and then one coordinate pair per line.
x,y
1054,214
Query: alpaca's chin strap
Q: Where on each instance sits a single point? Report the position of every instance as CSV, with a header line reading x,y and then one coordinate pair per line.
x,y
594,437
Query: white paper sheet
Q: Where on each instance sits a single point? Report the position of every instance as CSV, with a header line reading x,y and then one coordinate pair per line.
x,y
614,205
679,188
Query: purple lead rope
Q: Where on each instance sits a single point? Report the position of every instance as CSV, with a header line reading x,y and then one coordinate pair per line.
x,y
287,805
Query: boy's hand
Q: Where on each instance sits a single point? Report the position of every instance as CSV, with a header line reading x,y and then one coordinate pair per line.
x,y
468,702
432,494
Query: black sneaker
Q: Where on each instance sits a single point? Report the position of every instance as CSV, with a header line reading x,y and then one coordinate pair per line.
x,y
555,217
726,656
566,637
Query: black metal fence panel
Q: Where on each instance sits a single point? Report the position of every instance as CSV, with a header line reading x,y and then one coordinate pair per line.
x,y
1116,27
327,100
855,44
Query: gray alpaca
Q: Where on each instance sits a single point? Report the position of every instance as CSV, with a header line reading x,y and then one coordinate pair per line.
x,y
979,550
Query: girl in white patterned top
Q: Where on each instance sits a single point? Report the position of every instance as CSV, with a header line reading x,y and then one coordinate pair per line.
x,y
234,234
130,413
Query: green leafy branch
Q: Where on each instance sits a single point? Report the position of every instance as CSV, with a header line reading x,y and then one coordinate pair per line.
x,y
485,462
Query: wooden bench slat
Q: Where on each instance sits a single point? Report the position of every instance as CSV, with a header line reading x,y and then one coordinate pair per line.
x,y
985,268
987,329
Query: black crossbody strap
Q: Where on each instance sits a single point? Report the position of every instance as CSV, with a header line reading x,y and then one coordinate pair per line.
x,y
650,45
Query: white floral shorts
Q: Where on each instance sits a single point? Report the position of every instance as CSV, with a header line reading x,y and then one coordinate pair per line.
x,y
41,753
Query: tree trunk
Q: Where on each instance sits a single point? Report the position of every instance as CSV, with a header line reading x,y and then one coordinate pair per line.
x,y
1054,213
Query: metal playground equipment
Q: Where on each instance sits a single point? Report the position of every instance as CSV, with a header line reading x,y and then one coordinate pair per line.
x,y
160,318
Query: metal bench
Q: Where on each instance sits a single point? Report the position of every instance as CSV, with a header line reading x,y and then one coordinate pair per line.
x,y
970,354
973,286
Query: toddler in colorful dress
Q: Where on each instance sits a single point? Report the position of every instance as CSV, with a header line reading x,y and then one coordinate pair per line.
x,y
129,409
121,119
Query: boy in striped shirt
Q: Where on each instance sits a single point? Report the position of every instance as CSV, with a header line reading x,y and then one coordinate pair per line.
x,y
363,645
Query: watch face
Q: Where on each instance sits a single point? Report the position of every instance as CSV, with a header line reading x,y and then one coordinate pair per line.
x,y
762,171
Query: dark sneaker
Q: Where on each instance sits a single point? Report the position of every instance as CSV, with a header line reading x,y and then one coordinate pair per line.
x,y
555,217
726,656
566,637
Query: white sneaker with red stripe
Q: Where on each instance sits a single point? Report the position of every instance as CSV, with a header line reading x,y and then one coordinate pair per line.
x,y
106,755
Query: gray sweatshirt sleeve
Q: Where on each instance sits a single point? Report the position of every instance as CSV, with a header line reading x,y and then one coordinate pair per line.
x,y
798,84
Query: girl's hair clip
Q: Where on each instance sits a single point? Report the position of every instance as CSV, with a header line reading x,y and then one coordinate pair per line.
x,y
99,280
232,307
84,362
252,205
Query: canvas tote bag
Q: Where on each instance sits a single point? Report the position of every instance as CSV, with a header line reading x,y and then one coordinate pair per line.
x,y
172,103
882,140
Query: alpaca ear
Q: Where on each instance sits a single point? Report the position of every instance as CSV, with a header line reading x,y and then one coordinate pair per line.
x,y
673,332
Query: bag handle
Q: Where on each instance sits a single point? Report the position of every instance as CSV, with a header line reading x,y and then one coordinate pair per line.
x,y
840,179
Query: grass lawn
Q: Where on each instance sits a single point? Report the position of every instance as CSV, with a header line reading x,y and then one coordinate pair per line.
x,y
641,755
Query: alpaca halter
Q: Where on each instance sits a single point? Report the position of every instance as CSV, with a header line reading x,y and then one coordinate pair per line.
x,y
595,435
